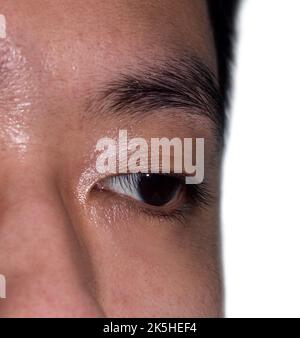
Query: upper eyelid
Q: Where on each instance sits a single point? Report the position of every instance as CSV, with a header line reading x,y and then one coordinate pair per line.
x,y
199,194
133,179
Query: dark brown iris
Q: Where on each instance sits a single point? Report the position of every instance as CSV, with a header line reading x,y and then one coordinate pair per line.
x,y
157,190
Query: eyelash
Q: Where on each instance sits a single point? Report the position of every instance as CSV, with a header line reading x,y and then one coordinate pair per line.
x,y
194,196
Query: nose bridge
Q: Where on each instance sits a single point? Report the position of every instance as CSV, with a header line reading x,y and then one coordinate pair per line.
x,y
40,255
25,178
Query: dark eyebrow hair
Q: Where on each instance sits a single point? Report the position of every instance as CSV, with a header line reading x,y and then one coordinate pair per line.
x,y
178,83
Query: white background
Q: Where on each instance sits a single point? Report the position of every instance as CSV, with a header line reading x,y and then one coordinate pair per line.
x,y
261,204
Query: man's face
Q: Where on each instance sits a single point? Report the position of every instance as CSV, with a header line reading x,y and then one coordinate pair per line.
x,y
72,72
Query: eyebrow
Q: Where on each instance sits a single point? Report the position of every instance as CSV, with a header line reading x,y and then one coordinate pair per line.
x,y
184,83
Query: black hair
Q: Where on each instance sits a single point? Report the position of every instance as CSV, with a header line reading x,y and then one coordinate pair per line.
x,y
223,15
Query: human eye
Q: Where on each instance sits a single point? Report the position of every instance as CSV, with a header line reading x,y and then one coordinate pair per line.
x,y
157,194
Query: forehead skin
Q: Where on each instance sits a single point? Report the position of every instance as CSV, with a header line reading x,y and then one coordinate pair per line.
x,y
52,242
57,51
57,37
61,27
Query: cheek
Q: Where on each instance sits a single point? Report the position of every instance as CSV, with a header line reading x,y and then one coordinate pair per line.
x,y
143,266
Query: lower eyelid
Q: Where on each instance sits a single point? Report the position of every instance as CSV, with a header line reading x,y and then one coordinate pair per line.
x,y
175,207
180,212
190,198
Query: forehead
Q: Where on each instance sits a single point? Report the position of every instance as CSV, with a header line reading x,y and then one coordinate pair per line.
x,y
59,35
58,52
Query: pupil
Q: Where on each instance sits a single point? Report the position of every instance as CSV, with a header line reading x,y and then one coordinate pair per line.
x,y
157,189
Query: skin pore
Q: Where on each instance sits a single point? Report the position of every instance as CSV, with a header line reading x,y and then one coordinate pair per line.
x,y
67,248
